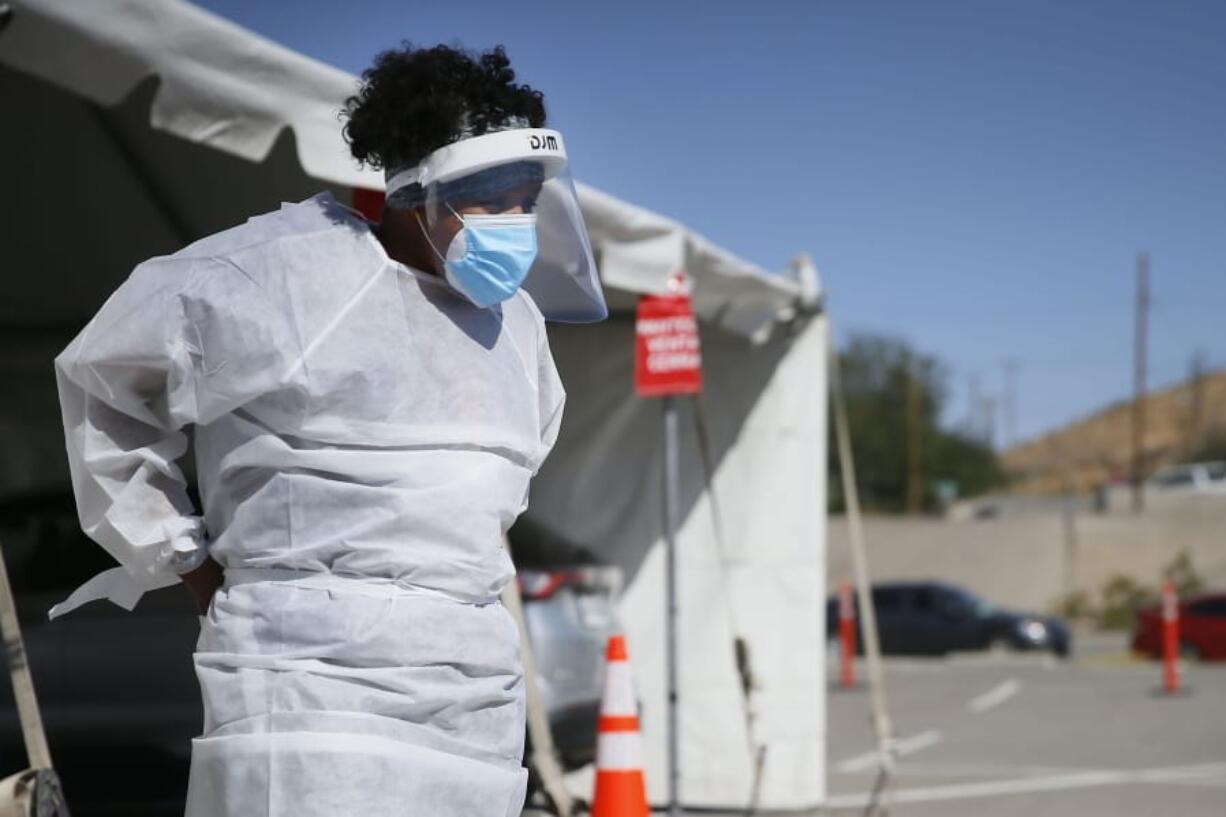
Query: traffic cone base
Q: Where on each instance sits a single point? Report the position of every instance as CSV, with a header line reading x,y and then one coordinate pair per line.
x,y
620,794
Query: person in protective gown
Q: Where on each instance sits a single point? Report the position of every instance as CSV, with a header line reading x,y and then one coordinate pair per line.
x,y
369,404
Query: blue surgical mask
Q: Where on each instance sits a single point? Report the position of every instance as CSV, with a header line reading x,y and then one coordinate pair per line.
x,y
490,257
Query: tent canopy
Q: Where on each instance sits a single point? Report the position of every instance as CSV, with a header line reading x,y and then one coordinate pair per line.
x,y
145,124
157,69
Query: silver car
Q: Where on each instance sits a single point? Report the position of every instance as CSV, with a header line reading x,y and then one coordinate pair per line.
x,y
568,608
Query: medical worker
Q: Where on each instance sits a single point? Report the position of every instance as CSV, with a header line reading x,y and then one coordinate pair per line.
x,y
369,403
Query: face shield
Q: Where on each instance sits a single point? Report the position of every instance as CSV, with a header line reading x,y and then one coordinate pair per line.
x,y
496,205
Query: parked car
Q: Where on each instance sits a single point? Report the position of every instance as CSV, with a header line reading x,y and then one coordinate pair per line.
x,y
119,693
568,609
1191,477
937,618
1202,629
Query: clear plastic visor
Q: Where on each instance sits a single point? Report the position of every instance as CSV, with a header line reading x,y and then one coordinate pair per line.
x,y
563,280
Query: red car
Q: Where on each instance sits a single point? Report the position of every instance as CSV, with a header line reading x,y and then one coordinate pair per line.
x,y
1202,629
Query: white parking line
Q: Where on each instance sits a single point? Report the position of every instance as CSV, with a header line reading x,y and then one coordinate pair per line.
x,y
1206,773
1203,774
989,771
858,763
995,696
902,748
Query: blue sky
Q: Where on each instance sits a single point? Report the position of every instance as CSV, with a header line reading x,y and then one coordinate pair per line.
x,y
974,177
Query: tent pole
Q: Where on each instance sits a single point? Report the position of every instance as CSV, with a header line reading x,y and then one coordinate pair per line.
x,y
879,801
672,475
140,171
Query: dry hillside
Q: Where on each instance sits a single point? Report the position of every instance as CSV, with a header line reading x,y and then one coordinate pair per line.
x,y
1098,450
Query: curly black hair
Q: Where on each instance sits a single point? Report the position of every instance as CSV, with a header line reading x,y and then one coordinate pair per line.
x,y
416,100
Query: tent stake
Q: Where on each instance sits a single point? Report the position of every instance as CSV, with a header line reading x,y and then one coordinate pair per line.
x,y
880,798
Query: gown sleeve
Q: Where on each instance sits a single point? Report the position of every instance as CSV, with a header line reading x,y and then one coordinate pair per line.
x,y
127,389
551,393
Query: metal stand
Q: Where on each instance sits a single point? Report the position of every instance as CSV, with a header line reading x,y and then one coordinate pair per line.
x,y
672,478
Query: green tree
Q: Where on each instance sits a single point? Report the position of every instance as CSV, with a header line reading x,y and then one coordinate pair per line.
x,y
1209,446
876,374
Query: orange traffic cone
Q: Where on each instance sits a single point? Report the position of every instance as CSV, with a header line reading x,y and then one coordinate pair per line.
x,y
620,788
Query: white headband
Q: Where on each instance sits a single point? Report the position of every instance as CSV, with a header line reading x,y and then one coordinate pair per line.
x,y
479,153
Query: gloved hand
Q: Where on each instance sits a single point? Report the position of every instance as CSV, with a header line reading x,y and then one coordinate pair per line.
x,y
203,582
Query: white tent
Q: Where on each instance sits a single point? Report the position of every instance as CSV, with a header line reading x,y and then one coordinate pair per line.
x,y
138,125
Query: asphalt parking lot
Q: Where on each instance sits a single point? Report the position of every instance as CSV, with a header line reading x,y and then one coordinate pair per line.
x,y
1028,735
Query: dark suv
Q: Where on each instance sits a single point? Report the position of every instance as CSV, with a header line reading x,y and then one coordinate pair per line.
x,y
936,618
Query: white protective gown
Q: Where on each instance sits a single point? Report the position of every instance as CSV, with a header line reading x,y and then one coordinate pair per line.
x,y
364,438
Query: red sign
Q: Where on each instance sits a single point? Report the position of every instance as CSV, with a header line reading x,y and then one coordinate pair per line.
x,y
667,357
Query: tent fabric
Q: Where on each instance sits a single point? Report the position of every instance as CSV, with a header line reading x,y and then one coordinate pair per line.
x,y
601,488
164,123
639,251
226,88
220,85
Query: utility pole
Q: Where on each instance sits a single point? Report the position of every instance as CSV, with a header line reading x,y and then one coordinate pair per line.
x,y
1068,516
915,490
1196,402
988,410
1010,400
974,401
1140,353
